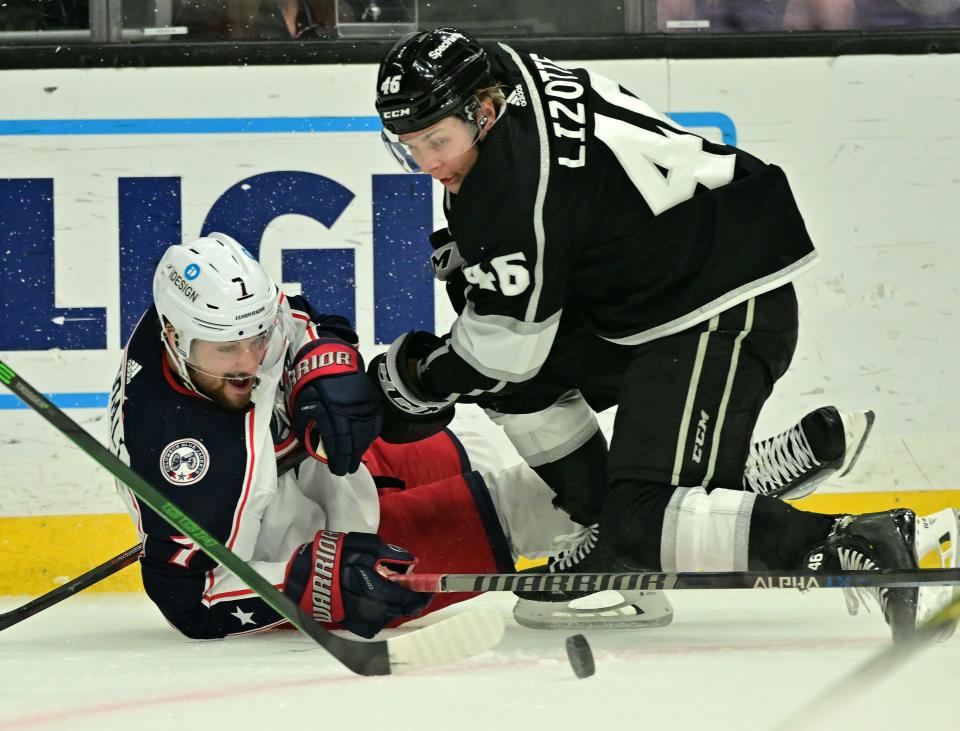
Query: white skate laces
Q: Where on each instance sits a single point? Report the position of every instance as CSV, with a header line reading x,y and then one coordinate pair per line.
x,y
853,560
935,546
784,466
778,461
572,548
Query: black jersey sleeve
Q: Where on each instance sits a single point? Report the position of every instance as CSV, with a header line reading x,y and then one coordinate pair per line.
x,y
505,329
513,255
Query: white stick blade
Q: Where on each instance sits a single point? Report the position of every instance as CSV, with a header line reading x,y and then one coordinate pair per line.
x,y
456,638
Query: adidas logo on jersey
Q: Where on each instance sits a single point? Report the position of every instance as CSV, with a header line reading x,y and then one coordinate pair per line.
x,y
517,98
133,368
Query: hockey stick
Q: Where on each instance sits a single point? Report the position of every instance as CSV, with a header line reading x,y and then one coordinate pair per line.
x,y
107,568
838,694
460,636
652,581
55,596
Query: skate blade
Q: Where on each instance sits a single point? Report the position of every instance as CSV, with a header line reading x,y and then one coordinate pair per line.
x,y
580,615
845,468
592,621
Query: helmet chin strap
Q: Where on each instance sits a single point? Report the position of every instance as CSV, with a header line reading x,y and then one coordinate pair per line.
x,y
181,364
264,374
183,369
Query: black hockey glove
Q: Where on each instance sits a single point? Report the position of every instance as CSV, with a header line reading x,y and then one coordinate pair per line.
x,y
330,393
448,267
409,414
339,577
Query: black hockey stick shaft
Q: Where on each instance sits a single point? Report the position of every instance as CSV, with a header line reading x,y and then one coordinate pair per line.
x,y
660,581
364,658
836,699
55,596
107,568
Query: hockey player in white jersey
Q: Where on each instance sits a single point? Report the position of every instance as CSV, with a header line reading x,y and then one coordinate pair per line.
x,y
223,377
598,254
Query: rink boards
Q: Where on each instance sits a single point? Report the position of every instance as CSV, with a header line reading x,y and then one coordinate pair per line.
x,y
103,167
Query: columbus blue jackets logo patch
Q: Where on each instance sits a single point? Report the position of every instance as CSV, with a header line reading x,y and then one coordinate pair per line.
x,y
184,462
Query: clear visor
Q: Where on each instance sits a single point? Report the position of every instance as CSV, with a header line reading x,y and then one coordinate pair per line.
x,y
421,152
238,360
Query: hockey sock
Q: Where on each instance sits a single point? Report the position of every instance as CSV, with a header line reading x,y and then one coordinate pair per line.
x,y
564,445
579,479
780,535
631,521
652,526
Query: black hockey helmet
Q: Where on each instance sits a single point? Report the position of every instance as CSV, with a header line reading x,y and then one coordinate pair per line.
x,y
428,76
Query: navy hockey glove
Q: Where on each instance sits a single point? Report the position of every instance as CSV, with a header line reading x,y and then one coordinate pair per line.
x,y
330,393
409,414
339,577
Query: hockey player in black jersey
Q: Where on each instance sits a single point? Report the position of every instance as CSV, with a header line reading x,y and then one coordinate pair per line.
x,y
599,254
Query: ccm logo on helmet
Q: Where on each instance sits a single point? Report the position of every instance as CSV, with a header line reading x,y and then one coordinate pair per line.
x,y
394,113
181,284
447,42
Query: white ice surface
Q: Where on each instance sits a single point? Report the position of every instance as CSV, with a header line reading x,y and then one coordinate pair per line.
x,y
730,660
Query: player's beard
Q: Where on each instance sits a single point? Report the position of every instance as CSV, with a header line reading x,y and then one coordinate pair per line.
x,y
226,392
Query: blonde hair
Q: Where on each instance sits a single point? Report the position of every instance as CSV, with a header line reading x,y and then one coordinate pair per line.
x,y
493,93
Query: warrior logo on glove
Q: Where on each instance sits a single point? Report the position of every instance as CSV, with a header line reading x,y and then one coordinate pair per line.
x,y
333,404
327,359
322,587
343,578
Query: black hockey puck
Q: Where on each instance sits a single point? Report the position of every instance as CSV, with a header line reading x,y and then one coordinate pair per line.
x,y
581,658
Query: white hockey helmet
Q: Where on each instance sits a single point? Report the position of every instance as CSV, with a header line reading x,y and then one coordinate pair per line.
x,y
214,289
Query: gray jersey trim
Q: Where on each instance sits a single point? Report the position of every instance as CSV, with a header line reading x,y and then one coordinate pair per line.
x,y
668,534
552,433
442,350
741,540
500,347
721,304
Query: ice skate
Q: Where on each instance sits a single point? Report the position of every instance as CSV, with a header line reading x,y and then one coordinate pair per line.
x,y
936,547
792,464
895,539
611,609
